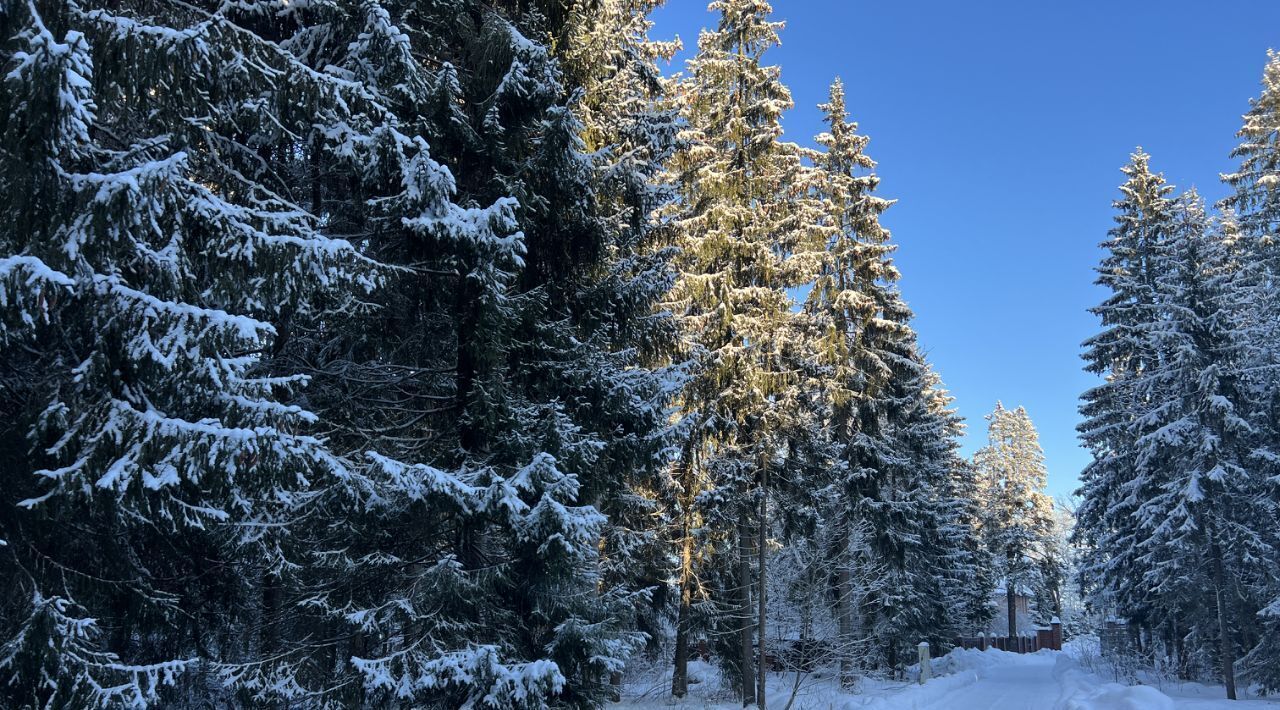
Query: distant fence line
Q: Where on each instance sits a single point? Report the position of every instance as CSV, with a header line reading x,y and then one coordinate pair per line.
x,y
1050,638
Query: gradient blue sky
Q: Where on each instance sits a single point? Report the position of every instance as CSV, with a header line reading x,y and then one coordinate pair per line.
x,y
1000,126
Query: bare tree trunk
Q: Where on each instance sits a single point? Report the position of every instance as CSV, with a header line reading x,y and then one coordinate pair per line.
x,y
1180,651
1224,633
689,477
1012,604
744,608
844,611
761,539
680,674
270,638
1011,596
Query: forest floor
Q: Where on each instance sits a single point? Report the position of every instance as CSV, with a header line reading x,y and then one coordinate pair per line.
x,y
966,680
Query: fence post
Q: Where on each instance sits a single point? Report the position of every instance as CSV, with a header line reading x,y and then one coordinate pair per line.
x,y
982,641
1056,625
926,671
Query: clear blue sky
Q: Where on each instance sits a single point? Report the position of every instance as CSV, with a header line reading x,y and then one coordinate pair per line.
x,y
1000,126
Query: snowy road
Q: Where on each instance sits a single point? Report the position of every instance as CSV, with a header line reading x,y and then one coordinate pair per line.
x,y
1042,681
1028,683
972,680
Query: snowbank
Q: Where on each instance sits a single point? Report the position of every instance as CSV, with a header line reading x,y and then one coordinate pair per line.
x,y
1082,691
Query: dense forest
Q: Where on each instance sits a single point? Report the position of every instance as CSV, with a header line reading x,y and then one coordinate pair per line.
x,y
456,353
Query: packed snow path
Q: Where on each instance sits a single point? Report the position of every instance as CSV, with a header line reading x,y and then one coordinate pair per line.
x,y
972,680
1048,680
1025,684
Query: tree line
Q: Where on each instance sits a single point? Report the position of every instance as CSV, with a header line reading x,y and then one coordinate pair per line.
x,y
445,353
1180,504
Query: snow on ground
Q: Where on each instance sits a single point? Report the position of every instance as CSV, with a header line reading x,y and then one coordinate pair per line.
x,y
967,680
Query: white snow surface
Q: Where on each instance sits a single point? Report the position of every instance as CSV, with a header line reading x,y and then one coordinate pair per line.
x,y
964,680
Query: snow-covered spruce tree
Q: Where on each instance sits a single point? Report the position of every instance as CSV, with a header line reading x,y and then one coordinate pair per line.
x,y
892,439
1256,199
589,340
381,575
1018,516
741,189
157,249
970,600
1054,569
630,125
1121,353
1207,530
917,533
1252,212
954,551
496,387
851,310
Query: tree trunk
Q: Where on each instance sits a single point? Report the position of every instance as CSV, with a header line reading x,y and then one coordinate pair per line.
x,y
1224,633
744,608
269,641
761,539
1180,653
844,614
1011,602
680,675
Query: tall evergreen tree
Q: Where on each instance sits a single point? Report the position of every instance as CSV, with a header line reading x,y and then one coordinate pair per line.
x,y
630,126
971,598
1121,353
891,436
159,252
1251,222
1018,515
917,532
494,395
955,555
854,312
1206,527
738,235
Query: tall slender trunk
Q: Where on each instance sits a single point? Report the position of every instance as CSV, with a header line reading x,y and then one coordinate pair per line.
x,y
1011,603
1180,653
1224,633
680,674
270,639
744,608
761,596
844,613
1011,596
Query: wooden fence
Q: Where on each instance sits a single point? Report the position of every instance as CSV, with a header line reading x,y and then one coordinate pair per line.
x,y
1050,638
